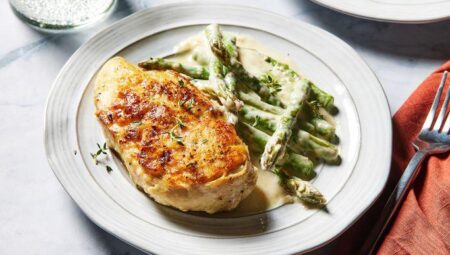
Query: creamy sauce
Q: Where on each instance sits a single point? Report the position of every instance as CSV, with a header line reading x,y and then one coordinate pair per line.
x,y
268,194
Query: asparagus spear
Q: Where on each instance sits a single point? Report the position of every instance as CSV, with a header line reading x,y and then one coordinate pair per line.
x,y
304,141
276,145
225,48
226,95
221,56
251,98
324,129
255,108
222,47
262,120
301,140
257,139
302,189
162,64
325,100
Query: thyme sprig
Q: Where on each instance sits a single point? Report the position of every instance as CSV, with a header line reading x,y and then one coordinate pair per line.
x,y
101,150
175,137
271,82
187,103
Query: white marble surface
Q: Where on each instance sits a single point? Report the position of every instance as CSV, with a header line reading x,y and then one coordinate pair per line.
x,y
38,217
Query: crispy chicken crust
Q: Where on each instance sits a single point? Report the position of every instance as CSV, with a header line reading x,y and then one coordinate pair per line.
x,y
176,145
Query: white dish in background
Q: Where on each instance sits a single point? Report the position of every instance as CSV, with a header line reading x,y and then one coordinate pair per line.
x,y
113,202
396,11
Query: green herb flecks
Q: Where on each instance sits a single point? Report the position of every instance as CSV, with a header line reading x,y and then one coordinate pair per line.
x,y
101,150
188,104
180,122
175,137
181,83
108,169
271,82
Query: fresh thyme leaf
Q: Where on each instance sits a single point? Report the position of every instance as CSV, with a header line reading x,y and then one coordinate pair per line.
x,y
273,84
180,122
257,120
94,157
101,150
190,104
108,169
181,83
175,137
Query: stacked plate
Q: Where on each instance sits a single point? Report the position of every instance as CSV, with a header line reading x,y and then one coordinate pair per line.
x,y
397,11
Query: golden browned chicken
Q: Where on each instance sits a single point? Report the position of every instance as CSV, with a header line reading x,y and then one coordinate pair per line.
x,y
176,145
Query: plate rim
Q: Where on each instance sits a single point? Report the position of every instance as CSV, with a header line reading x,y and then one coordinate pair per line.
x,y
410,15
101,33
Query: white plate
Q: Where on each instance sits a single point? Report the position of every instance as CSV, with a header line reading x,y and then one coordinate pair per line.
x,y
112,202
397,11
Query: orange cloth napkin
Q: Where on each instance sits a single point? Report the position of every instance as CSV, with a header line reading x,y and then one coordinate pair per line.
x,y
422,225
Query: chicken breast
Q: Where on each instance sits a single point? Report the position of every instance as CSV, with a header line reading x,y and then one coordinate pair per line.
x,y
177,147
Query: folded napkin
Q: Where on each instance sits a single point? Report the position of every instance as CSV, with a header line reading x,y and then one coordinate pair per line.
x,y
422,225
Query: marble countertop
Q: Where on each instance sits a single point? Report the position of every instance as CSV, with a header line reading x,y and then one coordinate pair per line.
x,y
36,214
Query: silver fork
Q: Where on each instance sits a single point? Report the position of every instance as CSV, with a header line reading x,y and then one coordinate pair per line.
x,y
432,139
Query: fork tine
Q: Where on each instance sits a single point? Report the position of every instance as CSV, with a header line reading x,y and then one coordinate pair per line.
x,y
440,119
446,127
432,112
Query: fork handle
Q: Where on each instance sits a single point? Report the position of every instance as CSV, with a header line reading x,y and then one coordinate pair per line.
x,y
395,199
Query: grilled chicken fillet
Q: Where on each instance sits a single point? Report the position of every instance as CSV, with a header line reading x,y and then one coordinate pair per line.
x,y
177,147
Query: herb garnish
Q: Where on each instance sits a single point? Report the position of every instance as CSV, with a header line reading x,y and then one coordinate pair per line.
x,y
181,83
189,104
108,169
180,122
257,120
173,136
101,150
204,140
273,84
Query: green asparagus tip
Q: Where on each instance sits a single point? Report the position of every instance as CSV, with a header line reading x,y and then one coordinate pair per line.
x,y
306,192
335,139
333,110
335,162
